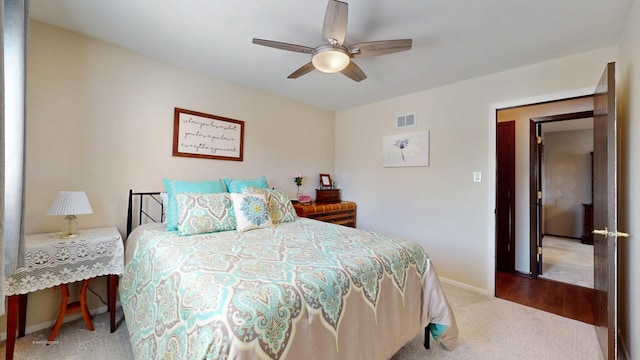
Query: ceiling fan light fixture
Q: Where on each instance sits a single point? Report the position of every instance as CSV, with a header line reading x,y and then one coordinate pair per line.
x,y
330,59
333,55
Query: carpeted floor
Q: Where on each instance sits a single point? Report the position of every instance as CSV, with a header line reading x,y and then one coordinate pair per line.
x,y
490,328
567,260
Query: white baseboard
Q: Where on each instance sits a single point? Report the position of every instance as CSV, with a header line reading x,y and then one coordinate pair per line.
x,y
465,286
49,324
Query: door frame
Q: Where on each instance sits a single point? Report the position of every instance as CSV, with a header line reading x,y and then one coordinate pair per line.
x,y
535,181
492,121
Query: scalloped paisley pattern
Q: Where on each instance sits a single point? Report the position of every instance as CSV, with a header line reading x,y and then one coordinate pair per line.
x,y
228,291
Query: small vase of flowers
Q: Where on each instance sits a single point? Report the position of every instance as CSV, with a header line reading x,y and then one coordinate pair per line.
x,y
298,180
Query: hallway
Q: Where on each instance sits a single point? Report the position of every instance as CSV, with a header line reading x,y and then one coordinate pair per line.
x,y
571,301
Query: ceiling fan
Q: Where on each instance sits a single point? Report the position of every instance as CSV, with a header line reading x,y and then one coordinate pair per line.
x,y
333,55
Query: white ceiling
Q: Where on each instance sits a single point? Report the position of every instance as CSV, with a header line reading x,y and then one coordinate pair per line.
x,y
453,40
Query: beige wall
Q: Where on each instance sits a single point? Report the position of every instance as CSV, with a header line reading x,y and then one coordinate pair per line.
x,y
89,101
100,119
454,215
522,115
440,206
566,183
628,104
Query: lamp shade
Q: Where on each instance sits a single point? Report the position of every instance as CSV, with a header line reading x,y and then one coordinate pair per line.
x,y
330,59
70,203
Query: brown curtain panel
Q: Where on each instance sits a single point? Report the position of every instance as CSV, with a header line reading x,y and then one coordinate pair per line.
x,y
15,21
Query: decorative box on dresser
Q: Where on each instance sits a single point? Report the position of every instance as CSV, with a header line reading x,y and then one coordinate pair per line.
x,y
342,212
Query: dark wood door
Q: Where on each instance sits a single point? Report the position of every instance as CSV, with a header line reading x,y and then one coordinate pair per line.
x,y
605,209
505,196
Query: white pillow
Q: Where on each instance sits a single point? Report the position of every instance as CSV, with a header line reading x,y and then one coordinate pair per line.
x,y
251,211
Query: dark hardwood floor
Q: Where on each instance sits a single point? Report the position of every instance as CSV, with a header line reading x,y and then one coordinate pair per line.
x,y
575,302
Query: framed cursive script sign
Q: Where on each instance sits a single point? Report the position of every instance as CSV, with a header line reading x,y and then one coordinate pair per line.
x,y
200,135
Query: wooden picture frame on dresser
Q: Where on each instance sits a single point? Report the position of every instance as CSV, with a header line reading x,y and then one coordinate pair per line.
x,y
325,181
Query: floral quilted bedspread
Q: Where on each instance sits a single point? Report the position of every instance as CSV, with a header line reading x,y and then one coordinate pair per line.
x,y
197,297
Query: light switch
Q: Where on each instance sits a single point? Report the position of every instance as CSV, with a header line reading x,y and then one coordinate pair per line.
x,y
477,176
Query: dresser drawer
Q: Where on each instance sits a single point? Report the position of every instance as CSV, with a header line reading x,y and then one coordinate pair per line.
x,y
342,213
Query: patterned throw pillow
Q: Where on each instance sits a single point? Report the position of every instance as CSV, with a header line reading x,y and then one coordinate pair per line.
x,y
175,187
204,213
280,207
251,211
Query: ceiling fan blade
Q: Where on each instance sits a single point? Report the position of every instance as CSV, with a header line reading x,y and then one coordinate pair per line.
x,y
335,22
283,46
354,72
375,48
304,69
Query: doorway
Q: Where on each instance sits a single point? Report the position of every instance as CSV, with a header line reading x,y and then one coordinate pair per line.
x,y
533,121
605,217
523,225
562,194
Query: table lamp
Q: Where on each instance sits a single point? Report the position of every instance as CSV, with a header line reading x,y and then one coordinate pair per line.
x,y
70,204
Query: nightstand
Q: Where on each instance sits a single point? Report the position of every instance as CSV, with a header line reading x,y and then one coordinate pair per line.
x,y
342,213
54,262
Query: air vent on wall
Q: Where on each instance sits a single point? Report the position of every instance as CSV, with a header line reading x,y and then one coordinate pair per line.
x,y
405,120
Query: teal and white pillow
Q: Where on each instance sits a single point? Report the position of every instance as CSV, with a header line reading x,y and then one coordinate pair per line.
x,y
251,211
279,205
175,187
236,185
204,213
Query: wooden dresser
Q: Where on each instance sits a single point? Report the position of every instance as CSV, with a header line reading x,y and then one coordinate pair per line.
x,y
342,213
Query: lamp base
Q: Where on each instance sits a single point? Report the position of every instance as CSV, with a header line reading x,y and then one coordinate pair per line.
x,y
69,227
68,236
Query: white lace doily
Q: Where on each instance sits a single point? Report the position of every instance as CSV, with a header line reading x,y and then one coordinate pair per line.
x,y
51,261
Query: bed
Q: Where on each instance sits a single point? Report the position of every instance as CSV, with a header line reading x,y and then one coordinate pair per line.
x,y
299,289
